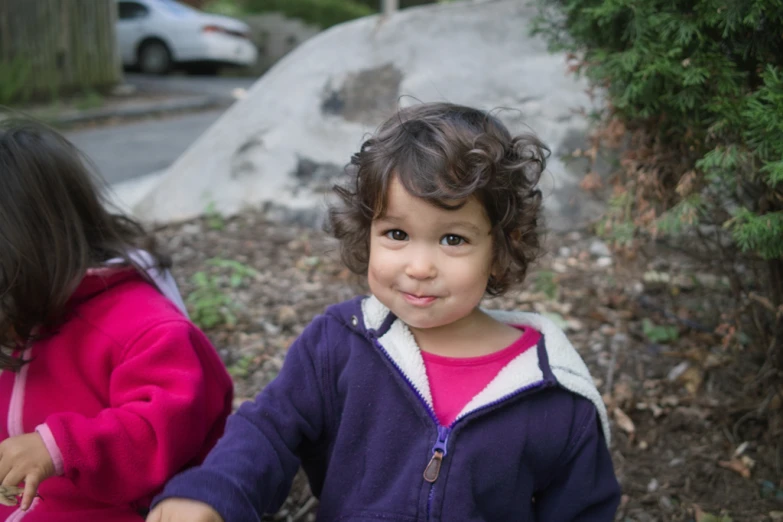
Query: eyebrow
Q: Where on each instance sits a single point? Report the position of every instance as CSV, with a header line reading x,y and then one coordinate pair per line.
x,y
448,224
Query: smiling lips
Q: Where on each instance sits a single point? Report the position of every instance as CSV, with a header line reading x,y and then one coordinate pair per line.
x,y
419,300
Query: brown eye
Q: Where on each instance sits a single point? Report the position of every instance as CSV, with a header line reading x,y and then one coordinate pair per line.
x,y
396,235
452,240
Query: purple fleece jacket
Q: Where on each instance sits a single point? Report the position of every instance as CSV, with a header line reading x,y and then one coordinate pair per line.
x,y
351,407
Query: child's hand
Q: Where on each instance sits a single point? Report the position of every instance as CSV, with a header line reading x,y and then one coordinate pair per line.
x,y
183,510
24,458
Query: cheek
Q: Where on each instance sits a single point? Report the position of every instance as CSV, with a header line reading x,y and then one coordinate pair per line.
x,y
379,264
469,277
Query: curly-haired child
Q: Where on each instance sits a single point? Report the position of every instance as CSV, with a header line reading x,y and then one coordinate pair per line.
x,y
414,403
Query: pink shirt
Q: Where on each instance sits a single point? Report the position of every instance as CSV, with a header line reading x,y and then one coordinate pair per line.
x,y
454,381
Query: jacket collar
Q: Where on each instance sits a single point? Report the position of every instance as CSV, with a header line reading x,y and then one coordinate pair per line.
x,y
98,280
556,357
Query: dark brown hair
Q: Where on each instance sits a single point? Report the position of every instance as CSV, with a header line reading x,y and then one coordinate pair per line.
x,y
53,227
445,154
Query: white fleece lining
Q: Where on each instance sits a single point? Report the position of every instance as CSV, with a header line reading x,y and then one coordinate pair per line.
x,y
567,366
401,346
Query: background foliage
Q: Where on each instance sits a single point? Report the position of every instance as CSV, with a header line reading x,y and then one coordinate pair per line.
x,y
321,13
694,90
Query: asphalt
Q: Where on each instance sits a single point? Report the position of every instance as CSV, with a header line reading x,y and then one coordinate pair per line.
x,y
138,147
149,122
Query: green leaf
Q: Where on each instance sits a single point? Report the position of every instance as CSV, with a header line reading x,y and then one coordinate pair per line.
x,y
659,334
707,517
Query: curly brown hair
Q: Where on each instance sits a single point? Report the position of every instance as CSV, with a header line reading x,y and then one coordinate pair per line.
x,y
445,154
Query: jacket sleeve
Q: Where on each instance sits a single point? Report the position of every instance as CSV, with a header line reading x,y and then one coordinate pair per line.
x,y
583,487
250,470
168,400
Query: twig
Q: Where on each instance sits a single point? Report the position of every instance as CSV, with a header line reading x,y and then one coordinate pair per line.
x,y
763,301
732,440
741,421
614,347
647,302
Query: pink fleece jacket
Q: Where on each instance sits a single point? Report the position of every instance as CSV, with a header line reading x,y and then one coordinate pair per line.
x,y
126,393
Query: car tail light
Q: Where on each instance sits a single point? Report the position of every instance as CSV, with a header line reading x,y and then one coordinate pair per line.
x,y
223,30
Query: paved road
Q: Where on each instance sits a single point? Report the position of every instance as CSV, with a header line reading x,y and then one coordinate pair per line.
x,y
130,150
214,85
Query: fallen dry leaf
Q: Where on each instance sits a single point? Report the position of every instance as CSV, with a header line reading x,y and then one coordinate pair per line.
x,y
737,466
670,400
749,462
591,181
623,394
692,379
624,422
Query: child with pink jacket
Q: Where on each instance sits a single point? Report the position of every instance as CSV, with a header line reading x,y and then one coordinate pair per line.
x,y
107,389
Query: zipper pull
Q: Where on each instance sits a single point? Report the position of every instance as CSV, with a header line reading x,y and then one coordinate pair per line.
x,y
432,470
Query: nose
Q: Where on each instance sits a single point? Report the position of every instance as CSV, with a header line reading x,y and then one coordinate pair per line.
x,y
421,264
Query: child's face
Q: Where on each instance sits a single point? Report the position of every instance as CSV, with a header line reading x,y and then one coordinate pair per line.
x,y
428,265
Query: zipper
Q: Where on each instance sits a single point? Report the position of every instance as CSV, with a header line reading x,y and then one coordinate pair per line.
x,y
432,471
439,449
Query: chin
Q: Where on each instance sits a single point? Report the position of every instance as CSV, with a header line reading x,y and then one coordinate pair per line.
x,y
422,323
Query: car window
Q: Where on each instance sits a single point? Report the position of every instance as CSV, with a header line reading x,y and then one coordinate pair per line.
x,y
132,10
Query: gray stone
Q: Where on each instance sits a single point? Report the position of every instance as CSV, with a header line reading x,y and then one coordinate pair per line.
x,y
603,262
366,96
599,249
323,99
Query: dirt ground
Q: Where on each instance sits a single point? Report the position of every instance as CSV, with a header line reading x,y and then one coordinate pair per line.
x,y
688,442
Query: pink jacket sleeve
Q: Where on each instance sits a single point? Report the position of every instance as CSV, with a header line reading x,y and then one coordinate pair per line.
x,y
169,396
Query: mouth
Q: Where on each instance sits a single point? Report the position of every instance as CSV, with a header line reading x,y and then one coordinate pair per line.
x,y
419,300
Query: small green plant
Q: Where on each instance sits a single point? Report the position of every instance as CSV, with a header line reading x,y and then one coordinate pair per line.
x,y
321,13
546,283
90,99
210,304
13,86
617,225
215,219
224,7
659,334
239,271
241,368
707,517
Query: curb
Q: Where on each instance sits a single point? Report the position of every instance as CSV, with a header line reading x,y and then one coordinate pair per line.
x,y
141,111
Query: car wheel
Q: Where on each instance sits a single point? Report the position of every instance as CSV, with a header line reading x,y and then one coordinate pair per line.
x,y
154,58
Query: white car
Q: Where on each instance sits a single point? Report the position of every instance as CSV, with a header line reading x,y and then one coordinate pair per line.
x,y
156,35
